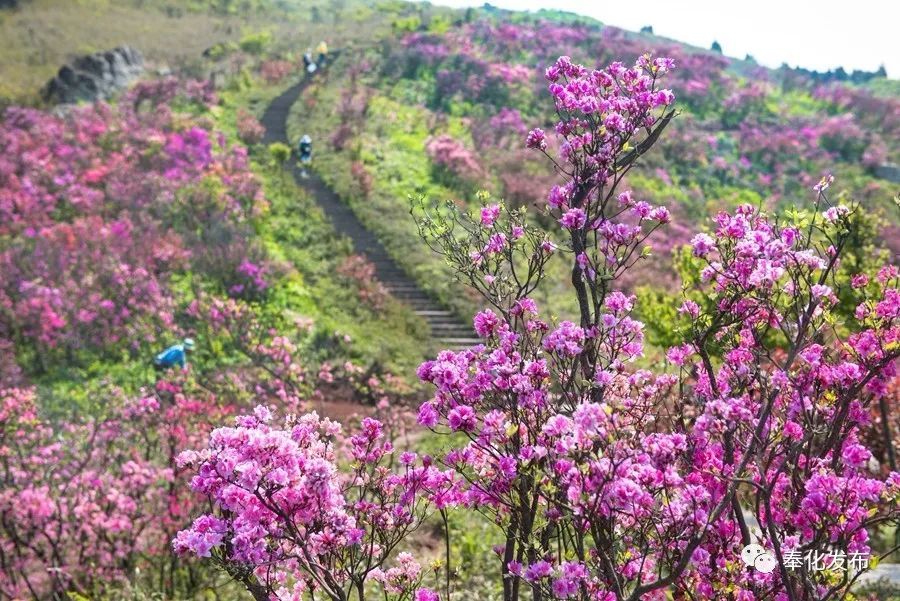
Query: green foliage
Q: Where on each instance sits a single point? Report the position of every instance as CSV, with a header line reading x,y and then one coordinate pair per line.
x,y
296,231
863,254
883,86
256,43
220,50
439,25
279,153
657,309
566,17
406,24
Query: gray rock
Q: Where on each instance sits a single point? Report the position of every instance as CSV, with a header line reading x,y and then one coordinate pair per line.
x,y
94,76
889,172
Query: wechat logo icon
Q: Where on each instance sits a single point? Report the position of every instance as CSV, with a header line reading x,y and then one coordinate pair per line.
x,y
755,556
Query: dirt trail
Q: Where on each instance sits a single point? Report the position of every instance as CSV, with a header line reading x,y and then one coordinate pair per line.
x,y
446,328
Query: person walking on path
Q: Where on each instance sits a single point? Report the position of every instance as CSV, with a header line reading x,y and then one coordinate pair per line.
x,y
304,152
322,51
308,62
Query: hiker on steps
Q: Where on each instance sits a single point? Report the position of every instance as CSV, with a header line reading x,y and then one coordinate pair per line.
x,y
304,151
322,51
308,62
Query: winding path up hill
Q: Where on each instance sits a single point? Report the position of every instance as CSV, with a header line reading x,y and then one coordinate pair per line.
x,y
446,328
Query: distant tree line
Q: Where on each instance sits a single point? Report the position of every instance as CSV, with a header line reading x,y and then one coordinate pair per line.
x,y
839,74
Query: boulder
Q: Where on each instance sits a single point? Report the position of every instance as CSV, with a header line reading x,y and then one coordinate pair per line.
x,y
889,172
94,76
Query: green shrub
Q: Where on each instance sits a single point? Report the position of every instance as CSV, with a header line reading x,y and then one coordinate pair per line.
x,y
406,24
255,43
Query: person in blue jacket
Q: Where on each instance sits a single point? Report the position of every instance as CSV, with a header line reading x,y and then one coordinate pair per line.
x,y
174,355
304,152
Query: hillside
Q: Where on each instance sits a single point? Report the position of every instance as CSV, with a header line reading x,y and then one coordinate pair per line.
x,y
468,91
40,35
582,331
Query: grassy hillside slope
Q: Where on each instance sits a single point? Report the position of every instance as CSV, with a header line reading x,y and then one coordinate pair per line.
x,y
37,38
441,111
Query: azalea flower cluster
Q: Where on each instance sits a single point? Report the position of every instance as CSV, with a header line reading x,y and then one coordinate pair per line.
x,y
607,119
289,522
607,481
77,271
360,274
610,482
276,70
249,129
451,155
277,361
84,505
91,505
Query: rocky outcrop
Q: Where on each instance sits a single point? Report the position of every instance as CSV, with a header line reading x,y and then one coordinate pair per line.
x,y
889,172
94,76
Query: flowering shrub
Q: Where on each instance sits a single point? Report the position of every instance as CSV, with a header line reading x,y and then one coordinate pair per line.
x,y
744,102
617,483
275,368
353,106
454,158
76,272
250,130
288,522
274,71
279,361
362,178
250,280
104,293
360,272
842,136
82,508
167,90
606,481
91,505
875,113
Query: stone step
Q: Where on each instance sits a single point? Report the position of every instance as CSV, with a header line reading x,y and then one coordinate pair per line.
x,y
446,321
419,305
454,343
443,327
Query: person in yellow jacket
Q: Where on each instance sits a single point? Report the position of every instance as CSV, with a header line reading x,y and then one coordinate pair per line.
x,y
322,50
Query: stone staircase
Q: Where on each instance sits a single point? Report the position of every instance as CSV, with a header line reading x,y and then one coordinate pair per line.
x,y
447,330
